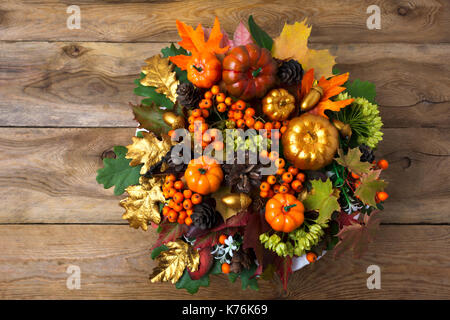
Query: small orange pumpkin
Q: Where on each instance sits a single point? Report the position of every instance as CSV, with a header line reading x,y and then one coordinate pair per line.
x,y
204,70
203,175
284,212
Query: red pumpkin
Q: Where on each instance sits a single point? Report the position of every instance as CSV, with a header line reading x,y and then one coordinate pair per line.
x,y
249,71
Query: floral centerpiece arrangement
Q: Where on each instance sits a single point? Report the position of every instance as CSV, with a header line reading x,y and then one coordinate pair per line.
x,y
253,157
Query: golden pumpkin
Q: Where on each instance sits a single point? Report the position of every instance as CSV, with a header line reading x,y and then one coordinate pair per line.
x,y
310,142
278,104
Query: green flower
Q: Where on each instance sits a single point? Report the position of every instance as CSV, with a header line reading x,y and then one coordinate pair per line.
x,y
364,119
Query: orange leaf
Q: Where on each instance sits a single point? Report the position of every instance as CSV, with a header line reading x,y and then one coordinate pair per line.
x,y
329,105
307,82
334,81
181,61
215,37
332,92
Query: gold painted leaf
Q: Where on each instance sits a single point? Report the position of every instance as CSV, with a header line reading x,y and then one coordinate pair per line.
x,y
174,261
141,205
293,44
159,74
148,150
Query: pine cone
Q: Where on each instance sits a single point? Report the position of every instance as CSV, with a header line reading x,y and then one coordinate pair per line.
x,y
242,259
367,154
242,177
189,96
205,215
290,72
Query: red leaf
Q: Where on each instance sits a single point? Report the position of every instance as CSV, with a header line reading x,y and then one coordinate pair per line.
x,y
239,220
284,269
206,262
345,219
212,238
170,232
257,225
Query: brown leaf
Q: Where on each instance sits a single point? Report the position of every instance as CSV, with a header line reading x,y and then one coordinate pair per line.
x,y
148,150
158,73
174,261
141,205
357,236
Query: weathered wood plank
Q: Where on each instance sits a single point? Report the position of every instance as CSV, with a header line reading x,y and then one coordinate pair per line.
x,y
115,264
90,84
340,21
48,175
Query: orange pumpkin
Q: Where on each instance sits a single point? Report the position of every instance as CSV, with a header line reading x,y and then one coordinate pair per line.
x,y
284,212
203,175
204,70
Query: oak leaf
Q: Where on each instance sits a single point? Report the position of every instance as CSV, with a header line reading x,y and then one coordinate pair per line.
x,y
352,161
148,150
174,261
356,236
293,44
141,205
159,74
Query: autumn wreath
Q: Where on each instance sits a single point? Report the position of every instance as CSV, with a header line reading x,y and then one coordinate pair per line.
x,y
253,156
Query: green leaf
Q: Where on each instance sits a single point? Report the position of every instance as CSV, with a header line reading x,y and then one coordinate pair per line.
x,y
117,172
370,185
150,117
352,161
153,96
323,199
259,35
157,251
364,89
190,285
247,279
216,268
174,51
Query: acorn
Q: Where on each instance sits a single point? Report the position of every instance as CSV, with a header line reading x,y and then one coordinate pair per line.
x,y
173,120
238,201
312,98
344,128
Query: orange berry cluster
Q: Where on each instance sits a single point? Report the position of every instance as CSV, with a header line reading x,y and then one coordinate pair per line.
x,y
381,195
284,181
180,201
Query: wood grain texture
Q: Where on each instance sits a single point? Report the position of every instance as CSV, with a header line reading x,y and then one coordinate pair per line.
x,y
115,264
90,84
342,21
48,175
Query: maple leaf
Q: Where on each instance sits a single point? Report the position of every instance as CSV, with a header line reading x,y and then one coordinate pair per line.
x,y
292,43
370,185
330,87
118,172
170,232
141,205
352,161
173,262
322,198
148,150
194,41
357,236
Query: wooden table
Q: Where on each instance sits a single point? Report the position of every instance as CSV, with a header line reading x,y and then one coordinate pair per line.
x,y
64,104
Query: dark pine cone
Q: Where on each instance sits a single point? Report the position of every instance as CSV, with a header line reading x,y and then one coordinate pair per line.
x,y
290,72
367,154
189,96
242,259
242,177
205,215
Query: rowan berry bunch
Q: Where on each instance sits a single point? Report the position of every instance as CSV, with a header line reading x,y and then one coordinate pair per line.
x,y
179,201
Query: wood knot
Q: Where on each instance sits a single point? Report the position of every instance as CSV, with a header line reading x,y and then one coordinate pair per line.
x,y
73,50
402,11
405,162
109,154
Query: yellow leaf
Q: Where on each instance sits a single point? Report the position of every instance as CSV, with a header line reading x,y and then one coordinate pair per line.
x,y
174,261
158,73
293,44
141,205
148,150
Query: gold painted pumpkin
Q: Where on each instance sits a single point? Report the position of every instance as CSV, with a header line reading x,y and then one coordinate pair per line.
x,y
310,142
278,104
